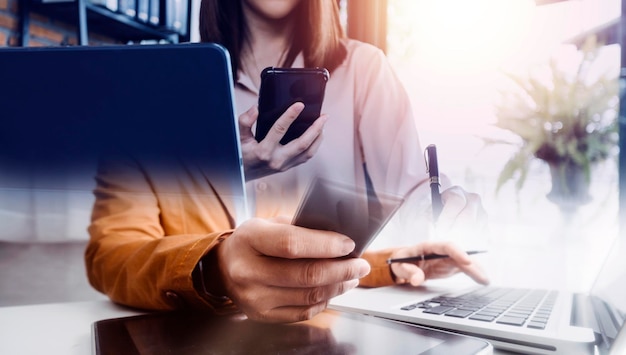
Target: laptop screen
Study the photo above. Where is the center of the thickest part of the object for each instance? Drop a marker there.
(63, 107)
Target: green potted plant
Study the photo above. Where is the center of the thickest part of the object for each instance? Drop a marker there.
(568, 119)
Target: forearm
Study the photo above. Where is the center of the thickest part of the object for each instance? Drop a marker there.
(147, 236)
(145, 272)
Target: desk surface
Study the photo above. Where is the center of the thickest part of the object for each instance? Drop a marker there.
(57, 328)
(65, 328)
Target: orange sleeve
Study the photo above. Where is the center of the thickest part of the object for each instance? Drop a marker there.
(129, 257)
(380, 274)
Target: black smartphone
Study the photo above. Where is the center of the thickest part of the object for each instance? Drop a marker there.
(333, 206)
(281, 88)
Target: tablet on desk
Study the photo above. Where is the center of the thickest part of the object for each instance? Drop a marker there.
(330, 332)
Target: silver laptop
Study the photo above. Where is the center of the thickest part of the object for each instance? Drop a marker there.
(525, 320)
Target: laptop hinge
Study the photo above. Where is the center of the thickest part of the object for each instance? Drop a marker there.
(606, 317)
(583, 314)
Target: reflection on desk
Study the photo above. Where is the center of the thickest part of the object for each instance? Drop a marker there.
(66, 328)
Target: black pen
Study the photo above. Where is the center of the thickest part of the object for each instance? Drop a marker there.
(433, 174)
(413, 259)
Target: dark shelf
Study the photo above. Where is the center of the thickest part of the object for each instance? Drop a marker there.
(101, 20)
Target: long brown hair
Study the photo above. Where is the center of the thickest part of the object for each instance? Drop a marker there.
(317, 34)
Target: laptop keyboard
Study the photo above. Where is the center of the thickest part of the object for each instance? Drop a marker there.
(509, 306)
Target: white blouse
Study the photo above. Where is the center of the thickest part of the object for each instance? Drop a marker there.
(370, 122)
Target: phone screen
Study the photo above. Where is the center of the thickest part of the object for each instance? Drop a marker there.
(333, 206)
(281, 88)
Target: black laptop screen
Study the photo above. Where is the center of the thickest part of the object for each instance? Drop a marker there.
(64, 107)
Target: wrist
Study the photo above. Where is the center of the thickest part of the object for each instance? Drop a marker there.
(208, 280)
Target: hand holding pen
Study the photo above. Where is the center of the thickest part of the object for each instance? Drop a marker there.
(425, 257)
(436, 260)
(430, 260)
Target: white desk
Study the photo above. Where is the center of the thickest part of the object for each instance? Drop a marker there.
(56, 328)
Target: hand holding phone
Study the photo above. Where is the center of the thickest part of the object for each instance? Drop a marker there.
(281, 88)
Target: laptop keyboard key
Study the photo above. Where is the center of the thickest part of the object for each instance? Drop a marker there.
(469, 308)
(460, 313)
(488, 314)
(483, 318)
(536, 325)
(438, 310)
(511, 320)
(516, 315)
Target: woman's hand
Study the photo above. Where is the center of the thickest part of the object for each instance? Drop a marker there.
(277, 272)
(269, 156)
(417, 273)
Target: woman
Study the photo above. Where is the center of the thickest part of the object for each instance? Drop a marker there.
(367, 124)
(158, 250)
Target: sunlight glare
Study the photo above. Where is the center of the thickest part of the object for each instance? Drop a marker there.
(470, 36)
